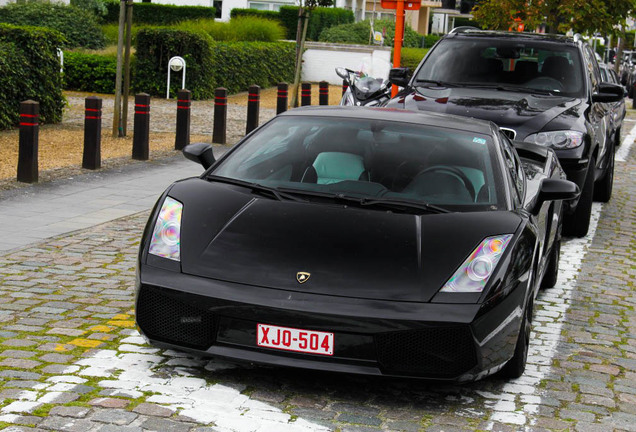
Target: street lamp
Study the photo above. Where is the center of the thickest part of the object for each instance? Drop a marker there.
(175, 64)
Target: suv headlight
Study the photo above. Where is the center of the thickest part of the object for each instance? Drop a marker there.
(472, 276)
(166, 236)
(556, 139)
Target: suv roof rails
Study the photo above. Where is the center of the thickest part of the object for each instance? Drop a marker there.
(462, 29)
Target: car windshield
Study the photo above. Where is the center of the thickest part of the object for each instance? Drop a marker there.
(522, 65)
(370, 160)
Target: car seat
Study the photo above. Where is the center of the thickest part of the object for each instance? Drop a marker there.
(334, 167)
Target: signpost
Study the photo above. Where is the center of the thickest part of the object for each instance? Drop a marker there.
(400, 6)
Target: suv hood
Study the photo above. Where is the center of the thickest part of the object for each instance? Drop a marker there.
(232, 235)
(525, 113)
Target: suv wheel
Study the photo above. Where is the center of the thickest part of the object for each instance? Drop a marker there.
(552, 273)
(603, 189)
(577, 223)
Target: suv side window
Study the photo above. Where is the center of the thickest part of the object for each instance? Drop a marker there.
(513, 165)
(592, 67)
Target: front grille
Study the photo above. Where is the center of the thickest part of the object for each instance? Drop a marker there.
(167, 318)
(509, 133)
(435, 352)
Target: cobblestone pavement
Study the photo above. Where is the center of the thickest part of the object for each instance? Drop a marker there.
(71, 359)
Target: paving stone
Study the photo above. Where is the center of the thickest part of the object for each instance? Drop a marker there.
(153, 410)
(17, 354)
(164, 425)
(56, 358)
(109, 402)
(114, 416)
(70, 411)
(7, 373)
(67, 424)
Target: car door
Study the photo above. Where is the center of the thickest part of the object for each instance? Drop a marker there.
(599, 112)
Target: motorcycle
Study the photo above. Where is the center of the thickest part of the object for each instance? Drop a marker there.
(369, 86)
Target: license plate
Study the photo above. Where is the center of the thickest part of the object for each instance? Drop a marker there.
(293, 339)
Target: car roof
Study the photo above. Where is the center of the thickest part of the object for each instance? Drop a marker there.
(544, 37)
(446, 121)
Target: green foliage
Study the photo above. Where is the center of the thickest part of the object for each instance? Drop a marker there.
(241, 28)
(430, 40)
(90, 72)
(30, 69)
(79, 27)
(155, 46)
(210, 64)
(358, 33)
(319, 19)
(96, 7)
(160, 14)
(237, 12)
(411, 57)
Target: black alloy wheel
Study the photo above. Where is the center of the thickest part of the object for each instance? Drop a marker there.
(552, 272)
(603, 189)
(578, 223)
(516, 366)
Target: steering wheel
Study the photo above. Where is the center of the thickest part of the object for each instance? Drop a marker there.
(454, 171)
(545, 83)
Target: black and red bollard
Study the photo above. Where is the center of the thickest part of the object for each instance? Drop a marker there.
(281, 100)
(305, 94)
(253, 108)
(92, 158)
(323, 93)
(220, 116)
(184, 102)
(28, 147)
(141, 136)
(345, 86)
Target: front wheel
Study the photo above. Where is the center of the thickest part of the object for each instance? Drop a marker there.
(603, 189)
(516, 366)
(552, 272)
(577, 223)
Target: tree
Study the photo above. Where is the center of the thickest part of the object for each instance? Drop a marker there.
(560, 16)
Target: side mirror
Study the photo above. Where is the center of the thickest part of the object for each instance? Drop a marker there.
(399, 76)
(608, 92)
(201, 153)
(342, 73)
(552, 190)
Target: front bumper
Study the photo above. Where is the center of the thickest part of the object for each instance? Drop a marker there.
(436, 341)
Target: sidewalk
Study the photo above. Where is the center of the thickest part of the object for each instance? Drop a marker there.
(67, 205)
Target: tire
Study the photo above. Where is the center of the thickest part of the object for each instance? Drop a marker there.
(517, 364)
(603, 188)
(552, 272)
(577, 223)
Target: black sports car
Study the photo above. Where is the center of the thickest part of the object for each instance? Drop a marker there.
(362, 240)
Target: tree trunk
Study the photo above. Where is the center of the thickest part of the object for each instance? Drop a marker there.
(299, 61)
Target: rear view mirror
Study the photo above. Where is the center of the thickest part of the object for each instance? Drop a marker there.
(342, 73)
(608, 92)
(399, 76)
(201, 153)
(552, 190)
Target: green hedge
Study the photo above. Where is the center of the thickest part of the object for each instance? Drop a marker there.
(233, 65)
(79, 27)
(358, 33)
(160, 14)
(90, 72)
(237, 12)
(30, 69)
(411, 57)
(320, 19)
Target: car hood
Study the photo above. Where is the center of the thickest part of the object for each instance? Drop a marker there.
(232, 235)
(526, 113)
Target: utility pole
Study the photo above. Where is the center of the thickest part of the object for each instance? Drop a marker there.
(117, 131)
(129, 19)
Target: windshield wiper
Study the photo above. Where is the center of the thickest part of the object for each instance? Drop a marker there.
(503, 87)
(399, 204)
(255, 187)
(436, 82)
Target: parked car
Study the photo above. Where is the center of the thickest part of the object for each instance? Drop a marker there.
(359, 240)
(617, 110)
(538, 88)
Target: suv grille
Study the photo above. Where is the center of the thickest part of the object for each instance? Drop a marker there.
(509, 133)
(166, 318)
(435, 352)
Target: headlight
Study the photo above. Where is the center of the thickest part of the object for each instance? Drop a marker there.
(556, 139)
(166, 237)
(472, 276)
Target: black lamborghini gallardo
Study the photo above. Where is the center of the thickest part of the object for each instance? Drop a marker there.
(357, 240)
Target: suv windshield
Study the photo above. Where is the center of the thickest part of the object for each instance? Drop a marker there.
(517, 64)
(326, 157)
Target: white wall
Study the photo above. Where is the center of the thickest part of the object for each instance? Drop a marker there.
(320, 60)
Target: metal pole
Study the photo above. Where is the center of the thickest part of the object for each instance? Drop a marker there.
(92, 157)
(399, 34)
(117, 132)
(129, 18)
(28, 142)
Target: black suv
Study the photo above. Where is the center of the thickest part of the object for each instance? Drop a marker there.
(537, 88)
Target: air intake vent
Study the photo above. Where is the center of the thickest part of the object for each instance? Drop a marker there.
(167, 318)
(509, 133)
(435, 352)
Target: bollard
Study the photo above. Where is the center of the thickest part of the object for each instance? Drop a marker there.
(141, 149)
(305, 94)
(253, 102)
(184, 102)
(92, 158)
(345, 86)
(220, 115)
(281, 100)
(28, 147)
(323, 93)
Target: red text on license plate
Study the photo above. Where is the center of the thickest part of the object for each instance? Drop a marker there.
(293, 339)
